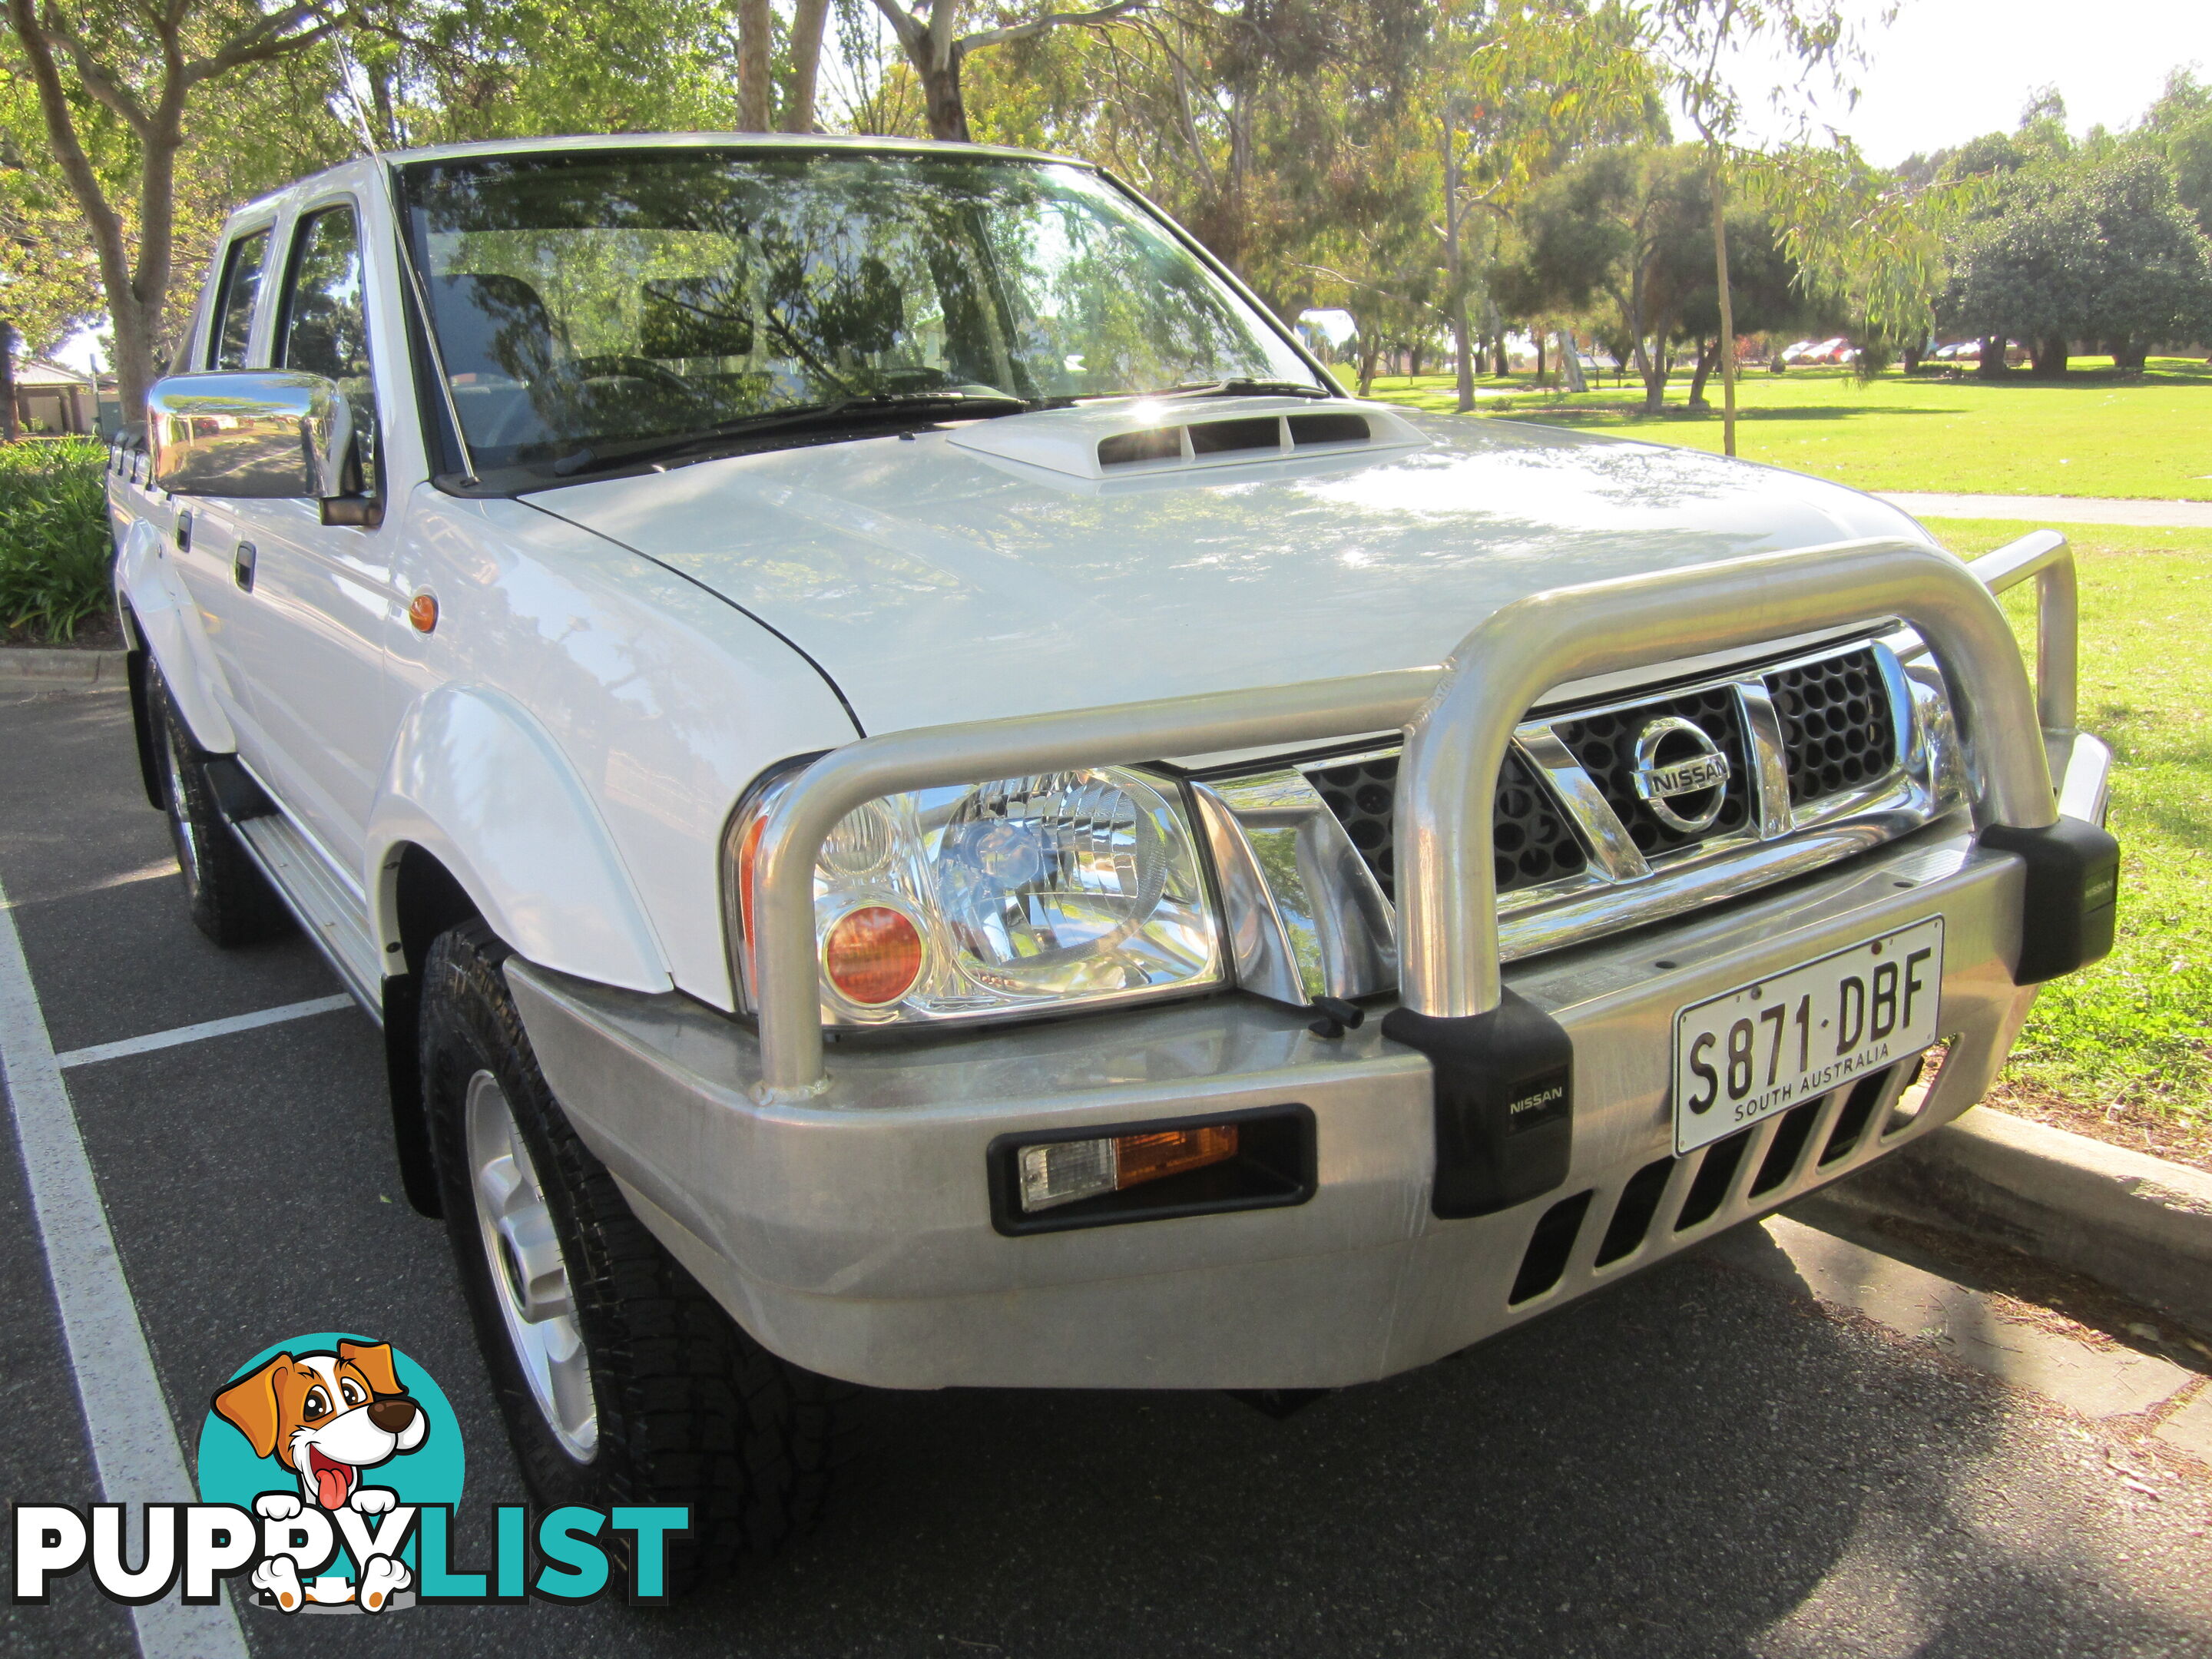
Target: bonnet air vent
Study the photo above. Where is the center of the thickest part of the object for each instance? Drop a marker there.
(1253, 435)
(1220, 437)
(1328, 429)
(1160, 443)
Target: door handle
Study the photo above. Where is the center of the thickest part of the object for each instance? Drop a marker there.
(241, 566)
(184, 531)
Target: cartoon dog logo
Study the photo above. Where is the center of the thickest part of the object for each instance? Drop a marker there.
(328, 1417)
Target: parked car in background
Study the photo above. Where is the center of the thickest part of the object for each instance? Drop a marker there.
(922, 801)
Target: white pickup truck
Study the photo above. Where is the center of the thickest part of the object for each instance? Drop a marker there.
(922, 801)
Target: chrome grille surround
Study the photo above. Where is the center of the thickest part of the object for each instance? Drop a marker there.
(1566, 802)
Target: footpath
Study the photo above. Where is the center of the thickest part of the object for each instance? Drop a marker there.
(2057, 509)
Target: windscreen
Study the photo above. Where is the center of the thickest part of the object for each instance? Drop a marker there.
(597, 301)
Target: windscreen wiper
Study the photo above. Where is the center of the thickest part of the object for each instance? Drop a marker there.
(796, 417)
(1238, 387)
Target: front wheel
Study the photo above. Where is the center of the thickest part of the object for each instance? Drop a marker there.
(621, 1380)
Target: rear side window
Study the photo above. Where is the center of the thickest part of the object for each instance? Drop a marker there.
(234, 307)
(323, 326)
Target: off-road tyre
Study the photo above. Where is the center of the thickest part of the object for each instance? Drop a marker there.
(230, 900)
(690, 1410)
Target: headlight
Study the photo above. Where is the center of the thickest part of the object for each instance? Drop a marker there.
(1019, 894)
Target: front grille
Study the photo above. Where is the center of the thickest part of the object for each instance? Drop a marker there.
(1835, 718)
(1533, 842)
(1606, 745)
(1837, 728)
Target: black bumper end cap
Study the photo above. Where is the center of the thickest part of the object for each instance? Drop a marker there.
(2070, 899)
(1505, 1103)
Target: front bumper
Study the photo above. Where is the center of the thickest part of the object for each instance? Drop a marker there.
(843, 1213)
(852, 1233)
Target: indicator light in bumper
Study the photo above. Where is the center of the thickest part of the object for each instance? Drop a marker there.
(1062, 1171)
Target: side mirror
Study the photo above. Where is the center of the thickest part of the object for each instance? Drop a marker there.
(250, 434)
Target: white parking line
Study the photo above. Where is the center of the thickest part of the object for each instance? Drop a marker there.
(206, 1028)
(134, 1440)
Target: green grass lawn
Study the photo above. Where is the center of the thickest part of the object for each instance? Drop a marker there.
(2125, 1049)
(2093, 434)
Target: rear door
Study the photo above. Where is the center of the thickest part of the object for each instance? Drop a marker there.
(319, 598)
(205, 530)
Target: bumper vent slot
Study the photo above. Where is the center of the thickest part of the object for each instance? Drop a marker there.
(1851, 1122)
(1836, 727)
(1633, 1213)
(1710, 1186)
(1534, 842)
(1787, 1147)
(1549, 1248)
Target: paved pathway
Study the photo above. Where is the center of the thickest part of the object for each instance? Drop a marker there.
(2057, 509)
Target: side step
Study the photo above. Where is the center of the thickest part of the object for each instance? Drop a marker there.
(326, 909)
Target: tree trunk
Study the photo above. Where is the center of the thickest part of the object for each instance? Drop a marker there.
(1414, 360)
(755, 57)
(2047, 357)
(1499, 368)
(1992, 365)
(1368, 354)
(1728, 310)
(1570, 363)
(1651, 366)
(1909, 358)
(1464, 352)
(1708, 352)
(806, 22)
(940, 92)
(10, 429)
(1540, 358)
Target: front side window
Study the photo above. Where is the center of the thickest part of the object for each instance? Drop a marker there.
(234, 307)
(611, 300)
(323, 325)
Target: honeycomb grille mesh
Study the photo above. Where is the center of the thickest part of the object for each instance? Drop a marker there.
(1534, 843)
(1606, 745)
(1836, 727)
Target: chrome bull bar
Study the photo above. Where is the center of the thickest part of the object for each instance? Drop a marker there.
(1459, 718)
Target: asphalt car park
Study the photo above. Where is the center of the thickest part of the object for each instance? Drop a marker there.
(1702, 1461)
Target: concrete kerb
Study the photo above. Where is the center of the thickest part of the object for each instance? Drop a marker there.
(53, 668)
(2139, 1224)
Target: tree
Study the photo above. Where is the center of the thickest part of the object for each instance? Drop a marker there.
(807, 20)
(1522, 84)
(1769, 290)
(2179, 127)
(935, 48)
(143, 61)
(2096, 253)
(1689, 38)
(1873, 247)
(1626, 225)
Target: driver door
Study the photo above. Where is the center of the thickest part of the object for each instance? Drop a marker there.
(319, 598)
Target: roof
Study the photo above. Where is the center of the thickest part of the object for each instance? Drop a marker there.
(782, 143)
(38, 372)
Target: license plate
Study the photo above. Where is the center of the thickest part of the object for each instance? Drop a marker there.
(1782, 1041)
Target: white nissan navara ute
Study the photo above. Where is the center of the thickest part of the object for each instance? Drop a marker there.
(922, 801)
